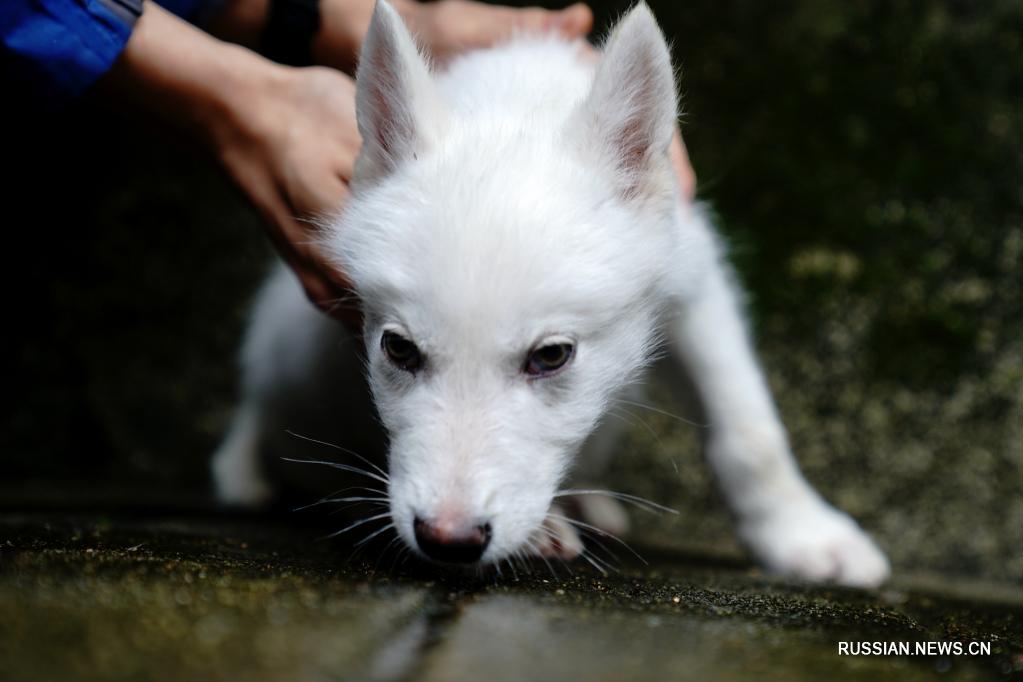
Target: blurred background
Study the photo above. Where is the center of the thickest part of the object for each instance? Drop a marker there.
(864, 161)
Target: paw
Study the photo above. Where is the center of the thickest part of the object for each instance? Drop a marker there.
(237, 480)
(601, 512)
(816, 542)
(556, 538)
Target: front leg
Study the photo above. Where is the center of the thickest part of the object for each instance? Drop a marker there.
(783, 521)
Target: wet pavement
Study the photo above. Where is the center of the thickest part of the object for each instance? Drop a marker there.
(159, 596)
(863, 160)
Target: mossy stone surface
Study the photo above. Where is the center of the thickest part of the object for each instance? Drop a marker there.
(107, 597)
(864, 161)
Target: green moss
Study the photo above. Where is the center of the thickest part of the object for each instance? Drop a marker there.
(200, 598)
(864, 159)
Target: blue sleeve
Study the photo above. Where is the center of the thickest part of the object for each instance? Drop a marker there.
(53, 50)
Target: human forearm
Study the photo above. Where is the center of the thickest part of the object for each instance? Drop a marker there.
(343, 23)
(176, 72)
(287, 137)
(443, 28)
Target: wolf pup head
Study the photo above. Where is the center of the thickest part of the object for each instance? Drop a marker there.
(513, 226)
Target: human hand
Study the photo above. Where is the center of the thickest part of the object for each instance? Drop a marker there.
(683, 169)
(444, 27)
(289, 140)
(448, 27)
(287, 137)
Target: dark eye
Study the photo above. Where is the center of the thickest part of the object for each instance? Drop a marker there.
(402, 352)
(549, 359)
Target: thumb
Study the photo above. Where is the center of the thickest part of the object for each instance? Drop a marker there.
(575, 21)
(571, 22)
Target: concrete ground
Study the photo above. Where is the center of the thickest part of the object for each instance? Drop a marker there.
(97, 596)
(864, 160)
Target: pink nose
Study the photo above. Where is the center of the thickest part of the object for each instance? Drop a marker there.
(452, 544)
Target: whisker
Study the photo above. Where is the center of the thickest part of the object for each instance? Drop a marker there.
(536, 550)
(345, 508)
(528, 561)
(593, 538)
(401, 555)
(365, 489)
(601, 531)
(617, 415)
(342, 449)
(515, 573)
(517, 557)
(389, 545)
(384, 551)
(644, 423)
(650, 429)
(338, 465)
(586, 555)
(356, 525)
(550, 533)
(362, 488)
(641, 502)
(360, 545)
(341, 303)
(564, 564)
(608, 566)
(330, 500)
(354, 499)
(663, 412)
(372, 535)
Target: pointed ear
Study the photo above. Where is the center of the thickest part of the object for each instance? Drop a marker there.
(397, 107)
(630, 112)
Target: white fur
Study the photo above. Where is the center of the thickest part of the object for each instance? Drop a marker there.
(522, 195)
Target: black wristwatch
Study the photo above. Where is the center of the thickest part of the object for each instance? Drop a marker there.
(289, 32)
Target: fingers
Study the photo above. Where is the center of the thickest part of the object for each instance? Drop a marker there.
(683, 169)
(324, 284)
(588, 53)
(336, 301)
(292, 155)
(574, 21)
(571, 22)
(457, 25)
(313, 196)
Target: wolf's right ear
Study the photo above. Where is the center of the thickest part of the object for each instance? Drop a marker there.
(630, 113)
(396, 105)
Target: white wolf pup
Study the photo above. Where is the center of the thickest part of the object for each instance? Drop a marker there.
(520, 246)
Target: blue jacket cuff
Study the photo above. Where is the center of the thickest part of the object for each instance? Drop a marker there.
(56, 49)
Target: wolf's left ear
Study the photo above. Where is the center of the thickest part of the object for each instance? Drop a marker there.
(397, 107)
(631, 109)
